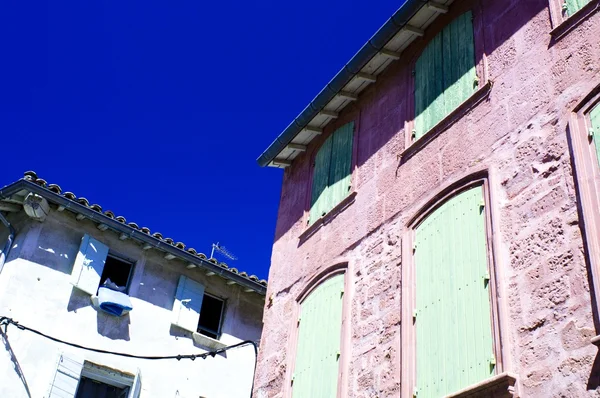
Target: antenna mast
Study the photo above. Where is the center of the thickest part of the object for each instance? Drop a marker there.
(223, 251)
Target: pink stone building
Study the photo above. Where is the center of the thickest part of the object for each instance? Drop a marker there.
(439, 224)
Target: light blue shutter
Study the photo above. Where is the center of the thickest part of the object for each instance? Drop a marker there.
(136, 388)
(454, 346)
(89, 265)
(319, 199)
(187, 304)
(66, 379)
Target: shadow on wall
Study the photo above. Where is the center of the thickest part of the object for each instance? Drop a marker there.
(113, 327)
(79, 299)
(178, 332)
(387, 105)
(15, 362)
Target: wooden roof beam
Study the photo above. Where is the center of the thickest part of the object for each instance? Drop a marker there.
(390, 54)
(281, 162)
(413, 30)
(347, 95)
(366, 77)
(314, 130)
(296, 147)
(331, 114)
(437, 7)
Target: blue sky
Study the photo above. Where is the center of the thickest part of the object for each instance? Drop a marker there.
(158, 110)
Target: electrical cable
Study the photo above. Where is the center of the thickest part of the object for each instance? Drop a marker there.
(6, 321)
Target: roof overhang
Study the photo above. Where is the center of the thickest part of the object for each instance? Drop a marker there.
(386, 46)
(10, 194)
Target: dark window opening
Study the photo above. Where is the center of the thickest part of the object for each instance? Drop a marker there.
(211, 314)
(118, 271)
(89, 388)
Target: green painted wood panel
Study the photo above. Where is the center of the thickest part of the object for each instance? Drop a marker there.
(572, 6)
(319, 335)
(332, 172)
(595, 121)
(453, 320)
(341, 165)
(320, 180)
(444, 73)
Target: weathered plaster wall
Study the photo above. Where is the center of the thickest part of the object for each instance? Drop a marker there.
(519, 135)
(35, 290)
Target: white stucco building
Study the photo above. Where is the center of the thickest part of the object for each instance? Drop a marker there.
(59, 253)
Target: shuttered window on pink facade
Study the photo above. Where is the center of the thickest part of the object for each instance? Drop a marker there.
(444, 74)
(332, 172)
(570, 7)
(319, 338)
(454, 346)
(595, 133)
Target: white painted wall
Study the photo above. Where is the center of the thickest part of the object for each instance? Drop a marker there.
(35, 290)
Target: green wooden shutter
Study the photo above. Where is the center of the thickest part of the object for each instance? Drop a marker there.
(428, 87)
(453, 319)
(444, 73)
(572, 6)
(459, 61)
(319, 331)
(595, 122)
(320, 181)
(341, 165)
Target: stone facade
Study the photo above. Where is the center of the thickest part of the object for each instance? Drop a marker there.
(36, 290)
(518, 136)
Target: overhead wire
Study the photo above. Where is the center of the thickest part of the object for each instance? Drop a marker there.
(6, 321)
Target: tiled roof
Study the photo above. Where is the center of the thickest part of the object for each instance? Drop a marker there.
(56, 189)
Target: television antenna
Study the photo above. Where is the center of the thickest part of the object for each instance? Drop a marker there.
(223, 251)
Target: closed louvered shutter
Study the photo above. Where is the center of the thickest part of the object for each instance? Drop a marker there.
(320, 181)
(452, 316)
(319, 330)
(572, 6)
(595, 121)
(66, 378)
(341, 163)
(332, 172)
(444, 74)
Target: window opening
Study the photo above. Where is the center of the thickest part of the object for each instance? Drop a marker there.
(90, 388)
(118, 271)
(211, 314)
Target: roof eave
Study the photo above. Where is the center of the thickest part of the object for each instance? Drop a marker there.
(383, 35)
(21, 184)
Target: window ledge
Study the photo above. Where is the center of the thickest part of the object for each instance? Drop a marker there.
(475, 98)
(207, 342)
(503, 383)
(330, 215)
(574, 20)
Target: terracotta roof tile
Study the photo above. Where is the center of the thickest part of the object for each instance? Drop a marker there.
(145, 230)
(109, 214)
(121, 219)
(96, 207)
(69, 195)
(83, 201)
(54, 188)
